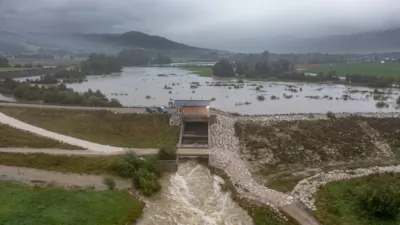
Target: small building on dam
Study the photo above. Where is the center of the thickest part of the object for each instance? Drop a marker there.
(195, 127)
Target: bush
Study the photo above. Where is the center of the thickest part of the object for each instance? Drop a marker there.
(146, 181)
(381, 202)
(260, 98)
(109, 182)
(143, 171)
(398, 101)
(330, 115)
(166, 154)
(381, 104)
(273, 97)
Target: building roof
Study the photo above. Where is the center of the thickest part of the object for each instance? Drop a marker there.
(179, 103)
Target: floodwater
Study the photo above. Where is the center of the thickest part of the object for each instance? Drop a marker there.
(193, 196)
(135, 83)
(141, 86)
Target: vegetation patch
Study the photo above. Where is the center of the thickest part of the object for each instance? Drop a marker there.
(24, 205)
(104, 127)
(388, 128)
(284, 152)
(14, 138)
(368, 200)
(202, 71)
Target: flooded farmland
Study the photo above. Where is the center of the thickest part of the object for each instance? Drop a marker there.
(156, 86)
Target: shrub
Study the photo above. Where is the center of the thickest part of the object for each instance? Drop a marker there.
(383, 202)
(381, 104)
(398, 101)
(330, 115)
(273, 97)
(146, 181)
(109, 182)
(143, 171)
(166, 154)
(260, 98)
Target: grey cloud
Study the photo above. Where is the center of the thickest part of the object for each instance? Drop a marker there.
(223, 24)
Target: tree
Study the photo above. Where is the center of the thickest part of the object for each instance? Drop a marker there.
(4, 61)
(134, 57)
(161, 59)
(240, 68)
(98, 64)
(223, 68)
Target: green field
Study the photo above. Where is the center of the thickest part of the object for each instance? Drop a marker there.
(22, 205)
(97, 165)
(368, 69)
(103, 127)
(339, 202)
(14, 138)
(6, 69)
(200, 70)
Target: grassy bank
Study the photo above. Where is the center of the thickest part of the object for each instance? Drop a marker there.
(363, 68)
(62, 163)
(23, 205)
(339, 202)
(200, 70)
(14, 138)
(103, 127)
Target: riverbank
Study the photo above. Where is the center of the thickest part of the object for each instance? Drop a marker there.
(261, 213)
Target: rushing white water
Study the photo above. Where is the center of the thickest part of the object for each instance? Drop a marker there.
(193, 196)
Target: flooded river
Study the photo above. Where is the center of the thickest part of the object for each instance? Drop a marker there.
(193, 196)
(141, 86)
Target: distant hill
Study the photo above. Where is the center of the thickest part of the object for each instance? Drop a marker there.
(136, 39)
(111, 43)
(376, 41)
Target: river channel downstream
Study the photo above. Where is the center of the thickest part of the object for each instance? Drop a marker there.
(142, 86)
(193, 196)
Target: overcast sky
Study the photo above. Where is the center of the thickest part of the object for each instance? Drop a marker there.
(205, 23)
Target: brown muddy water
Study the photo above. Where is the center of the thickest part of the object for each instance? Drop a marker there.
(193, 195)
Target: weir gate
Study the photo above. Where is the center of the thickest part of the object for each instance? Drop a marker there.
(195, 121)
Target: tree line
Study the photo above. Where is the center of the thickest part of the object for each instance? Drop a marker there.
(4, 62)
(57, 94)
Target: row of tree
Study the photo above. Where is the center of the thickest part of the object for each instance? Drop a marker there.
(252, 67)
(58, 94)
(140, 57)
(98, 64)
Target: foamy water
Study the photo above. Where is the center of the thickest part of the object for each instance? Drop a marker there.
(193, 196)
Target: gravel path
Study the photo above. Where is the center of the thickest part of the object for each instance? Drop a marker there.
(63, 138)
(53, 151)
(35, 176)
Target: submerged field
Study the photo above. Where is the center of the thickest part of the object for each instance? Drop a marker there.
(22, 205)
(103, 127)
(282, 153)
(14, 138)
(362, 68)
(200, 70)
